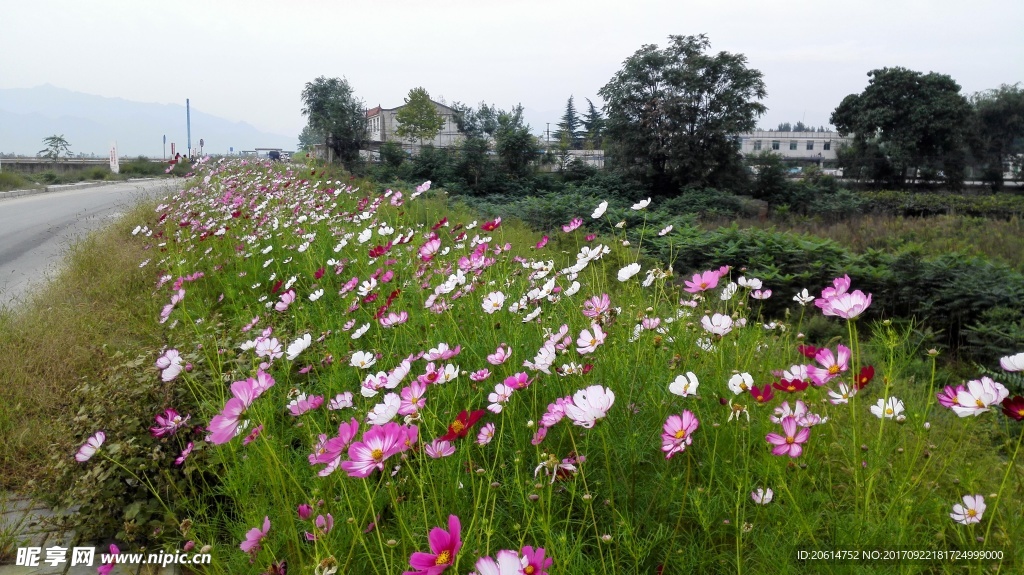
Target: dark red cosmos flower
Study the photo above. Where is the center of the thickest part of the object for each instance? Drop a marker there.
(790, 385)
(438, 225)
(867, 373)
(763, 394)
(460, 427)
(491, 225)
(277, 286)
(809, 351)
(1014, 407)
(319, 273)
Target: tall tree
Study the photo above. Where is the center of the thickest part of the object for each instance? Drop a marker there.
(419, 119)
(309, 137)
(917, 121)
(480, 122)
(55, 147)
(514, 143)
(569, 128)
(333, 111)
(593, 126)
(673, 113)
(998, 130)
(784, 127)
(801, 127)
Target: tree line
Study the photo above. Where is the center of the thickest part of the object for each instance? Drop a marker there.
(671, 119)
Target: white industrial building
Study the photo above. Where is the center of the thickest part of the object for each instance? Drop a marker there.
(806, 146)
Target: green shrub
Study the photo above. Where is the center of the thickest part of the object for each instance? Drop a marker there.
(13, 181)
(143, 167)
(97, 173)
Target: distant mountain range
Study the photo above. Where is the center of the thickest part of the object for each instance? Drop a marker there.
(92, 123)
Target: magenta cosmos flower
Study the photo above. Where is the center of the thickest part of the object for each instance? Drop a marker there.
(831, 365)
(534, 562)
(251, 545)
(106, 568)
(590, 404)
(678, 433)
(168, 423)
(224, 426)
(444, 547)
(703, 281)
(378, 444)
(789, 444)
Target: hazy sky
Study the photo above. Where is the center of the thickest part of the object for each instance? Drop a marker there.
(249, 60)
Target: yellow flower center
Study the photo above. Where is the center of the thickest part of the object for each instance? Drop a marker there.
(833, 370)
(458, 426)
(703, 285)
(377, 454)
(888, 411)
(979, 403)
(791, 387)
(443, 558)
(972, 513)
(529, 570)
(790, 440)
(1020, 411)
(681, 434)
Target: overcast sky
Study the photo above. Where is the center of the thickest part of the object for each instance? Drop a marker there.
(249, 60)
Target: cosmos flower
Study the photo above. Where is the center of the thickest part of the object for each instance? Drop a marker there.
(90, 447)
(970, 512)
(590, 404)
(684, 386)
(678, 433)
(791, 443)
(717, 324)
(254, 537)
(628, 271)
(599, 211)
(444, 547)
(887, 408)
(762, 496)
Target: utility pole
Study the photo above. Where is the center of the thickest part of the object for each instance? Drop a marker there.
(188, 125)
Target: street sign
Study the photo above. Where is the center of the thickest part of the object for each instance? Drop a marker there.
(115, 166)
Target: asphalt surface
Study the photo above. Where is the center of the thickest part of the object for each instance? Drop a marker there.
(36, 231)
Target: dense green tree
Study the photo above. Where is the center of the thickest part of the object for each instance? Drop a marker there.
(673, 114)
(593, 126)
(784, 127)
(515, 145)
(333, 111)
(569, 129)
(998, 131)
(418, 119)
(392, 154)
(56, 146)
(309, 137)
(917, 121)
(801, 127)
(479, 122)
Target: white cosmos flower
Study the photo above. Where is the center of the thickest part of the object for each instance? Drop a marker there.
(684, 385)
(803, 298)
(365, 235)
(600, 210)
(573, 289)
(494, 301)
(298, 346)
(629, 271)
(717, 324)
(316, 295)
(741, 382)
(887, 409)
(363, 359)
(359, 332)
(1013, 362)
(386, 411)
(642, 204)
(665, 230)
(531, 316)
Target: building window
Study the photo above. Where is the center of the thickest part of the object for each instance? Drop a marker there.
(828, 146)
(810, 144)
(757, 145)
(792, 144)
(775, 144)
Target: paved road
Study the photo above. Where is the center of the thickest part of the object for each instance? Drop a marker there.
(35, 231)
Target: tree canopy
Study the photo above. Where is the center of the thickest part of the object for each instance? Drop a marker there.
(593, 126)
(419, 119)
(334, 112)
(672, 113)
(569, 129)
(908, 121)
(56, 146)
(998, 130)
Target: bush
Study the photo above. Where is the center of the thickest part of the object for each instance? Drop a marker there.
(13, 181)
(97, 173)
(143, 167)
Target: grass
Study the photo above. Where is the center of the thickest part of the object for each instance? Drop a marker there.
(14, 181)
(996, 239)
(227, 251)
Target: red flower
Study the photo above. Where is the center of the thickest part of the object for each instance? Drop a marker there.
(319, 273)
(867, 373)
(809, 351)
(1014, 407)
(790, 385)
(491, 225)
(763, 394)
(438, 225)
(462, 424)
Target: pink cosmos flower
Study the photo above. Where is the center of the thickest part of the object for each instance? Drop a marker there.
(480, 374)
(302, 404)
(486, 434)
(717, 324)
(106, 568)
(520, 380)
(168, 423)
(444, 547)
(500, 355)
(534, 562)
(543, 242)
(678, 432)
(393, 319)
(971, 511)
(848, 305)
(90, 447)
(831, 365)
(329, 450)
(287, 298)
(305, 511)
(341, 401)
(762, 496)
(979, 396)
(184, 454)
(498, 398)
(323, 527)
(170, 365)
(597, 305)
(253, 435)
(590, 404)
(224, 426)
(790, 444)
(539, 436)
(555, 412)
(429, 249)
(268, 347)
(251, 545)
(439, 448)
(377, 445)
(703, 281)
(948, 396)
(572, 225)
(442, 352)
(412, 398)
(588, 342)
